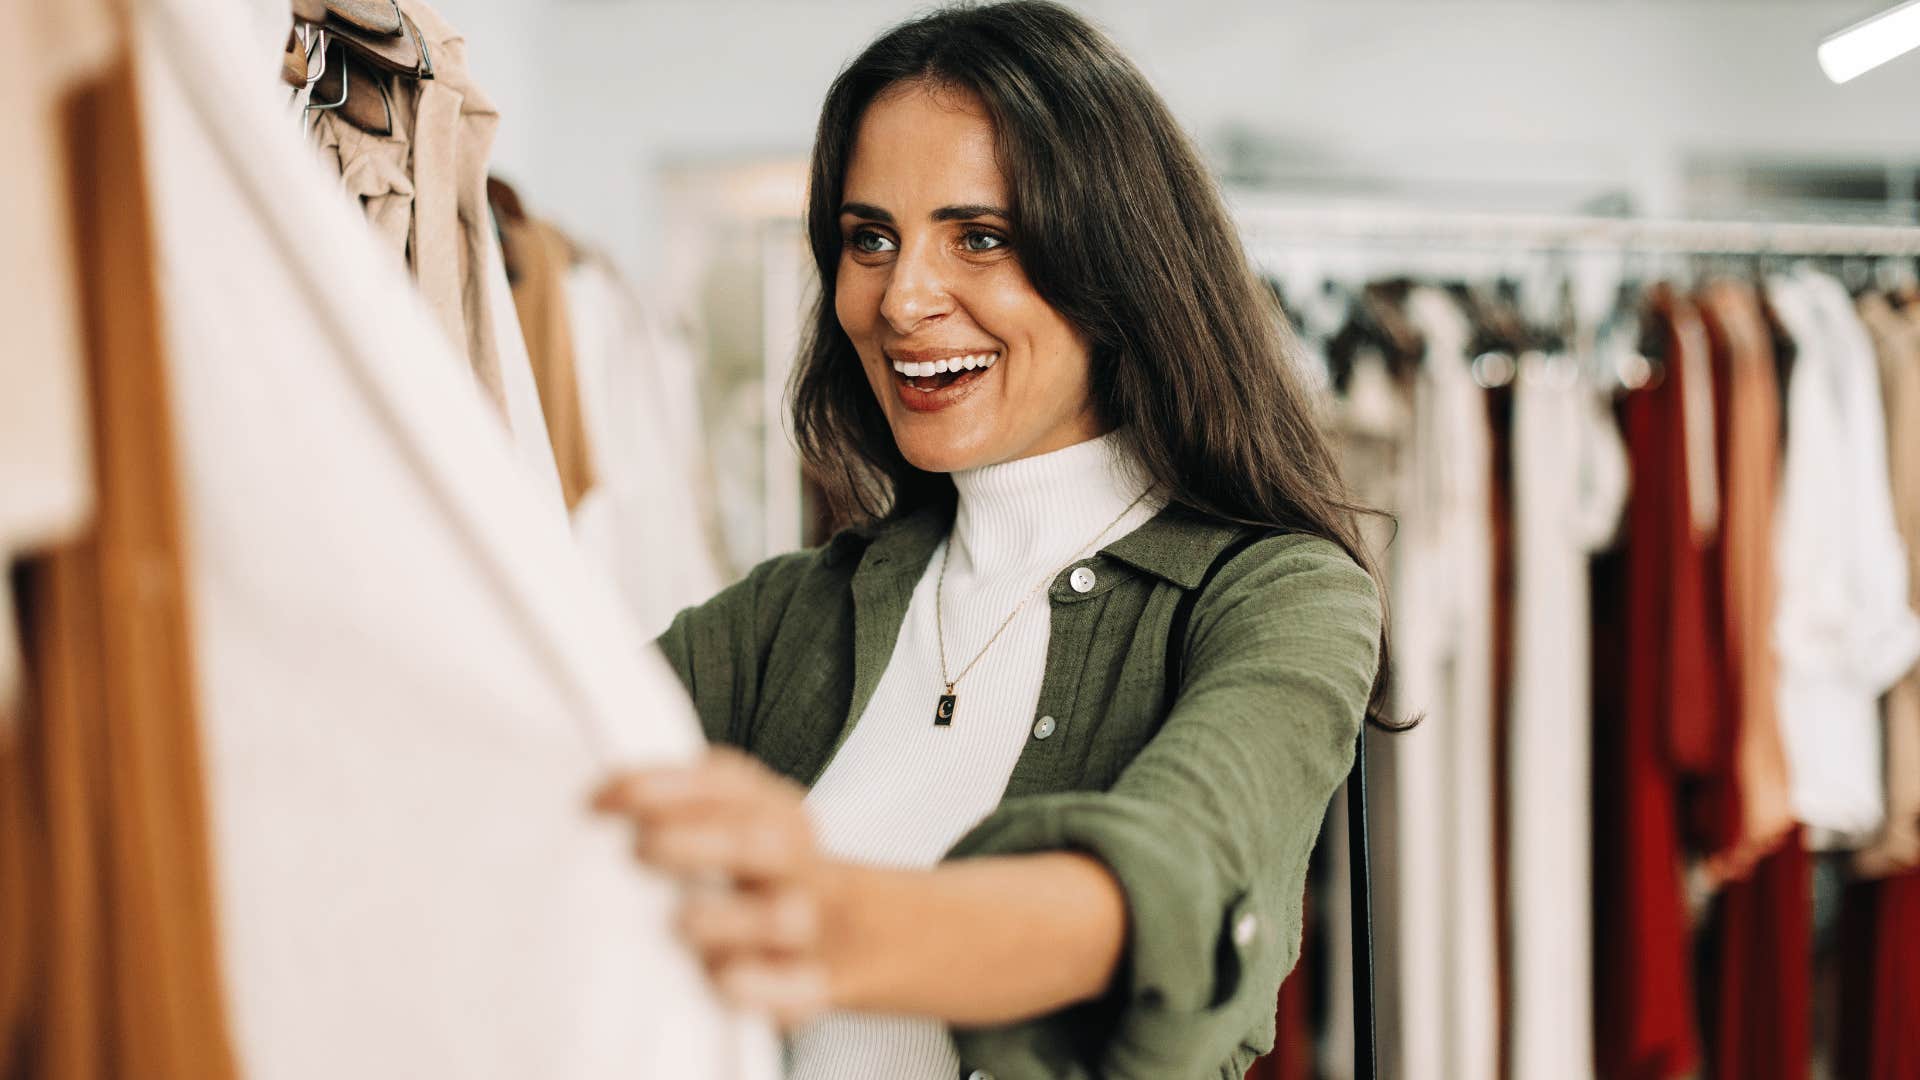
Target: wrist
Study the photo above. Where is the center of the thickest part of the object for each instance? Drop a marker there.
(847, 935)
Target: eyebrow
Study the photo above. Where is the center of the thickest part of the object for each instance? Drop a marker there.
(969, 212)
(945, 213)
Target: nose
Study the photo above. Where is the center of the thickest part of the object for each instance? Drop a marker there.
(916, 291)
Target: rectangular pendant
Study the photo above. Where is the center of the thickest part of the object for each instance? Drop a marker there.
(943, 715)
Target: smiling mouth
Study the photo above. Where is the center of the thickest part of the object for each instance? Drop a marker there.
(927, 376)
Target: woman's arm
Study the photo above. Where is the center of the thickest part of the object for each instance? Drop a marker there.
(981, 942)
(974, 943)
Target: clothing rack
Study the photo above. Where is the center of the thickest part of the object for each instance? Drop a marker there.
(1275, 227)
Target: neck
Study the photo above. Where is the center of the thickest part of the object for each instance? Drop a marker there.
(1042, 509)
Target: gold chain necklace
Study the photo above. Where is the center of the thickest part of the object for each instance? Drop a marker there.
(949, 701)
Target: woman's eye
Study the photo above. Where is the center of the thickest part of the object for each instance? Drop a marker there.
(983, 241)
(869, 242)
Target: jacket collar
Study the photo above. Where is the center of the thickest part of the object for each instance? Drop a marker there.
(1176, 545)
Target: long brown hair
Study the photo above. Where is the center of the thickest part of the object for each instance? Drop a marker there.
(1119, 226)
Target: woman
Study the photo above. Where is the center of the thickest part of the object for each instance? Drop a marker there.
(1008, 806)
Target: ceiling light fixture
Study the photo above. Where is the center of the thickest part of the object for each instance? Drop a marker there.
(1871, 42)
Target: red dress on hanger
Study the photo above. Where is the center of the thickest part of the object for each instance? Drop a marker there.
(1665, 726)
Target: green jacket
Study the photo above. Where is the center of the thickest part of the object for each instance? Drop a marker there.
(1206, 814)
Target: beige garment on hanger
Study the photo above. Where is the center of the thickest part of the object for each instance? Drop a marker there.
(109, 967)
(1443, 642)
(424, 188)
(1752, 483)
(376, 169)
(1896, 338)
(1569, 489)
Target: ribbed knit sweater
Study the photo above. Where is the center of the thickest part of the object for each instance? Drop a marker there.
(901, 790)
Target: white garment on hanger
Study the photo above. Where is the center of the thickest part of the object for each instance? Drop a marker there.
(640, 406)
(1569, 488)
(1843, 627)
(1443, 654)
(409, 681)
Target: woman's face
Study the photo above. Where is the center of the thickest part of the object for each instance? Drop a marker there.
(970, 365)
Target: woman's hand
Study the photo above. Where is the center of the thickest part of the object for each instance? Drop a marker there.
(783, 929)
(757, 909)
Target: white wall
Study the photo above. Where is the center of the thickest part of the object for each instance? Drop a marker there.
(1462, 93)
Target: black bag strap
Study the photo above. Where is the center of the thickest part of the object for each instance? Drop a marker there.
(1360, 879)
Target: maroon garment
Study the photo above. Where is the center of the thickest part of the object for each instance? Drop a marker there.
(1879, 1035)
(1896, 1028)
(1292, 1055)
(1763, 1001)
(1689, 685)
(1666, 724)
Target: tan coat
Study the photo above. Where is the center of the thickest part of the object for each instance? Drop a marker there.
(424, 188)
(1752, 478)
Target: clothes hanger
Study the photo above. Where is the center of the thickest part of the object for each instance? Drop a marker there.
(1385, 302)
(1349, 335)
(370, 112)
(341, 67)
(309, 42)
(1375, 321)
(1500, 335)
(1619, 366)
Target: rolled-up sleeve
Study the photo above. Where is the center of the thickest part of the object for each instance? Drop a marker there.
(1209, 829)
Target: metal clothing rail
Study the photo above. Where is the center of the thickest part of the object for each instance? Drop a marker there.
(1270, 227)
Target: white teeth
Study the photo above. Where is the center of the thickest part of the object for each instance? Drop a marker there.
(924, 369)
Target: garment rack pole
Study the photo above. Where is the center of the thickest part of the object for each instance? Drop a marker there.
(1270, 228)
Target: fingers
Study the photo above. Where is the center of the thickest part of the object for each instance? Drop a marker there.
(728, 920)
(761, 949)
(792, 992)
(724, 815)
(744, 846)
(740, 834)
(722, 777)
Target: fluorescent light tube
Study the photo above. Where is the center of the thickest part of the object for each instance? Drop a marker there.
(1866, 45)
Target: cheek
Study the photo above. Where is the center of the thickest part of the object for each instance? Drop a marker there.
(856, 303)
(1063, 362)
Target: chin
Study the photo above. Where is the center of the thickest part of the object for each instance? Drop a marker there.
(929, 451)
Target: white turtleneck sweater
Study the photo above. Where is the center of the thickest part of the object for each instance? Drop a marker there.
(901, 791)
